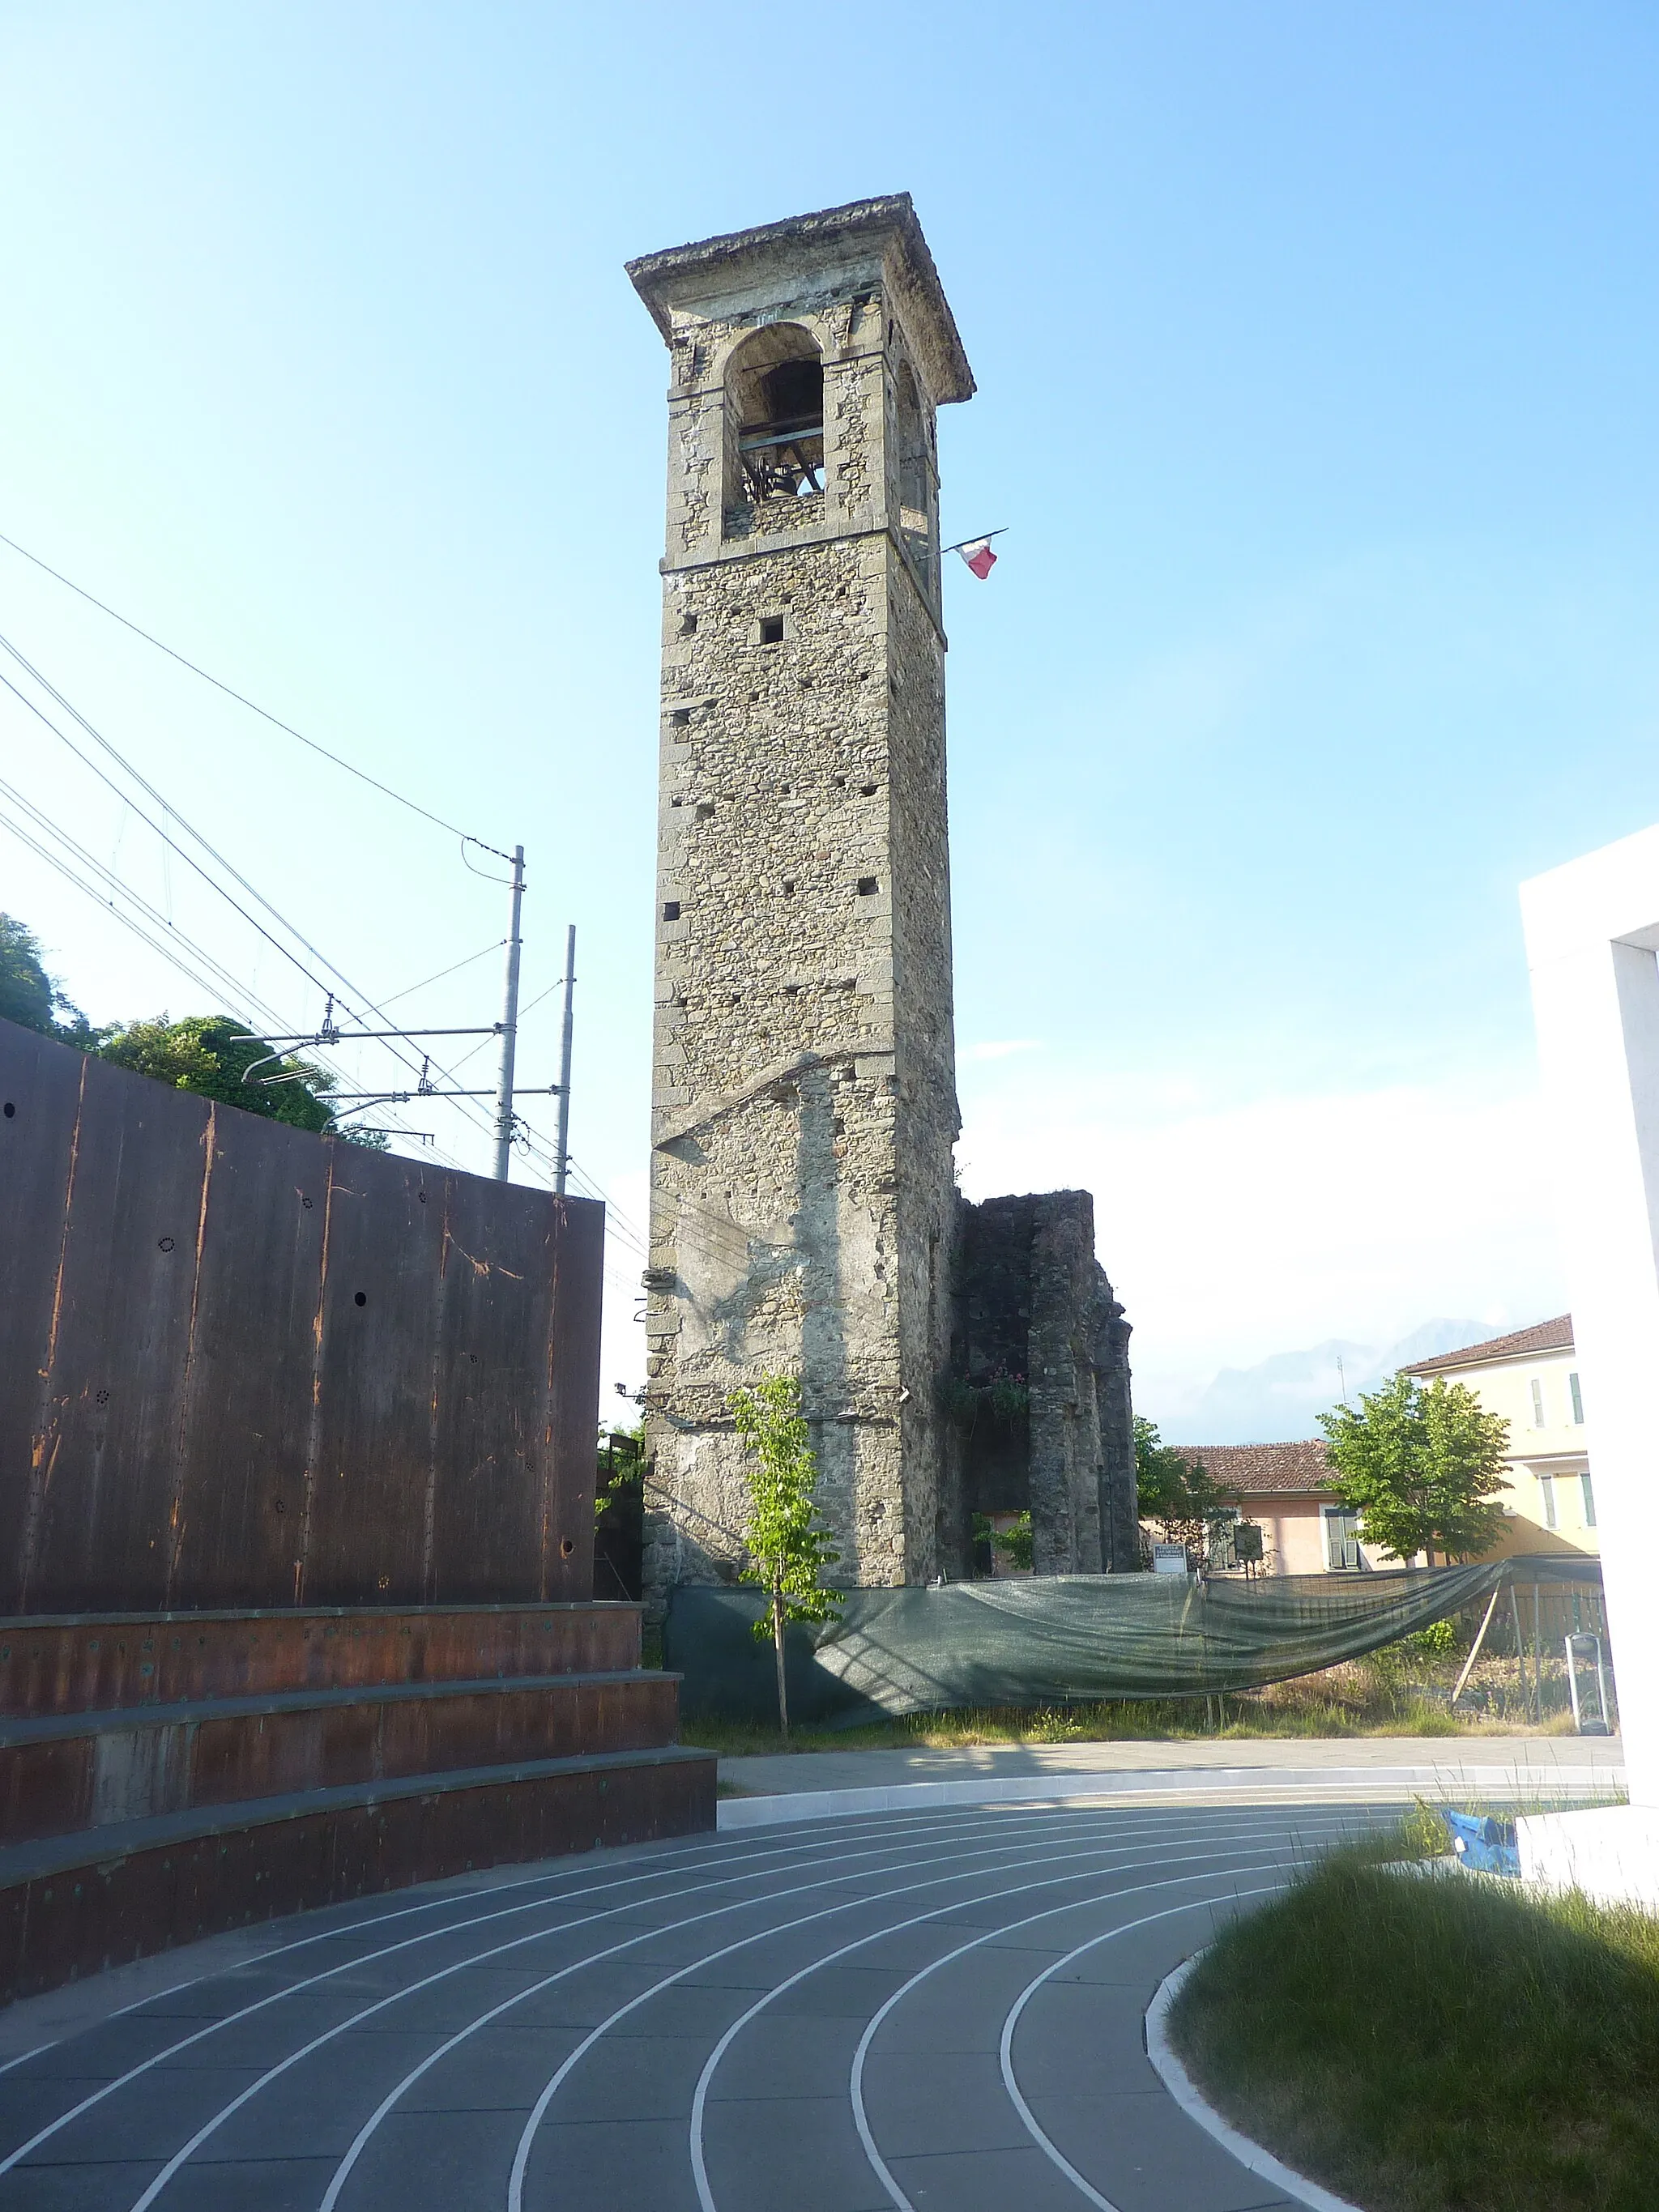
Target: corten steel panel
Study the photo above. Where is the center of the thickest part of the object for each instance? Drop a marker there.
(39, 1114)
(45, 1789)
(100, 1502)
(490, 1447)
(573, 1357)
(106, 1911)
(369, 1444)
(93, 1664)
(240, 1493)
(211, 1415)
(134, 1772)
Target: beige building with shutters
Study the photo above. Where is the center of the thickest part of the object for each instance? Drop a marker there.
(1530, 1378)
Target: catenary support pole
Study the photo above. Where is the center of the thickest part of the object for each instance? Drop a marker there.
(509, 1026)
(562, 1153)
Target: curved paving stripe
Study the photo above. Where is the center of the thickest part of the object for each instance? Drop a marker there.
(935, 2010)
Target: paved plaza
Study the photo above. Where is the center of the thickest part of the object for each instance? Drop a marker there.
(937, 2007)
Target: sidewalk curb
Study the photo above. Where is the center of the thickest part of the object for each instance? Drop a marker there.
(1180, 2084)
(1312, 1785)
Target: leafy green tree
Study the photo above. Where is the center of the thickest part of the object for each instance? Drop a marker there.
(1177, 1495)
(202, 1054)
(1421, 1468)
(1017, 1542)
(788, 1545)
(621, 1466)
(28, 996)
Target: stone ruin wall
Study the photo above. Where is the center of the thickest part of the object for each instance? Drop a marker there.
(1033, 1305)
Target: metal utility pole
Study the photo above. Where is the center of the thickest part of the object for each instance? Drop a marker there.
(562, 1154)
(510, 1027)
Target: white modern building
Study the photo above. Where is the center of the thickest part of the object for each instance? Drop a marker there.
(1592, 934)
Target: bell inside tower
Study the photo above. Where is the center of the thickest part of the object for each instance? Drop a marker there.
(779, 414)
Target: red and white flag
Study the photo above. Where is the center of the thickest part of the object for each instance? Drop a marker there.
(976, 552)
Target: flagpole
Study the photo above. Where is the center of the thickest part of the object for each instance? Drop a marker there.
(979, 538)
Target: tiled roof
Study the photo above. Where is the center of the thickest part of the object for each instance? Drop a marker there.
(1543, 1336)
(1254, 1470)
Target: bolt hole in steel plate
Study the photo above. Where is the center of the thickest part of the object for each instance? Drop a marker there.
(164, 1244)
(566, 1546)
(10, 1110)
(361, 1298)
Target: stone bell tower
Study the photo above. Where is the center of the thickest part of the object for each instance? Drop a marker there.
(804, 1110)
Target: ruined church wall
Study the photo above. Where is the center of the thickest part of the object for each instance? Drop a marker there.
(1033, 1306)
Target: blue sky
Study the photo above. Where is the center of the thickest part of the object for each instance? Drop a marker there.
(1315, 349)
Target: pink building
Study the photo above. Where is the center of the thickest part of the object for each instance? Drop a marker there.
(1286, 1490)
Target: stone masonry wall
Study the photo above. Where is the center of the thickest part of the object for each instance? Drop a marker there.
(805, 1102)
(1033, 1306)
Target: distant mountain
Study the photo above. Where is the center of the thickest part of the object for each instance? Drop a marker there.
(1276, 1401)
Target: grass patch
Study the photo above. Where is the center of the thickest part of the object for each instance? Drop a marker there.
(1442, 2045)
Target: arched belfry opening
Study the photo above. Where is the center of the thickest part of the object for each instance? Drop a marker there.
(774, 417)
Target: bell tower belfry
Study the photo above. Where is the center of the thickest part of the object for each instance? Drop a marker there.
(804, 1109)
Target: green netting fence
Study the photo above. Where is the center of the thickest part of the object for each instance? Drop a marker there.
(1066, 1640)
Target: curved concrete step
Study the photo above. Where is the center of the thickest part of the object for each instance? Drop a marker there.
(67, 1771)
(94, 1662)
(73, 1904)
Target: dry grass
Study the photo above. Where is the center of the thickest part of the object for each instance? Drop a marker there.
(1401, 1691)
(1442, 2045)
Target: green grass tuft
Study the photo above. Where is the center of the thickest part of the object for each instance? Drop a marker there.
(1437, 2046)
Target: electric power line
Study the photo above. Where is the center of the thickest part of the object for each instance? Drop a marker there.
(209, 976)
(442, 972)
(170, 844)
(252, 706)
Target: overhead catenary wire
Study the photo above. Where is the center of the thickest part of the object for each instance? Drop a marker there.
(148, 925)
(171, 843)
(252, 706)
(168, 952)
(494, 946)
(206, 845)
(464, 1108)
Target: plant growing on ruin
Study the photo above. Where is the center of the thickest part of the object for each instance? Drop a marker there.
(1016, 1542)
(787, 1544)
(1004, 1397)
(1421, 1468)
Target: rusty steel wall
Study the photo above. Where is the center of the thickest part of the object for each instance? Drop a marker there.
(242, 1365)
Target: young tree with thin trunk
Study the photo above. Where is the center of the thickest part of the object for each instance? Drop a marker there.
(787, 1543)
(1421, 1469)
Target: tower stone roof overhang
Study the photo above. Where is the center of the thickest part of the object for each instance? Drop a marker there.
(686, 278)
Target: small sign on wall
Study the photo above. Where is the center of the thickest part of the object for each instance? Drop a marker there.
(1169, 1558)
